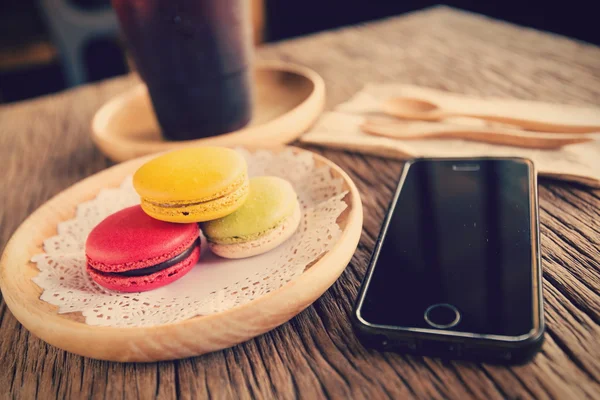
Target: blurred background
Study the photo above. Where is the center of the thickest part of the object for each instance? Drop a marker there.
(49, 45)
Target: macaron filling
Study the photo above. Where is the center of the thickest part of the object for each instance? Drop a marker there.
(161, 266)
(204, 208)
(247, 238)
(238, 185)
(154, 268)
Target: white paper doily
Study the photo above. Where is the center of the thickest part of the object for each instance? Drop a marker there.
(215, 284)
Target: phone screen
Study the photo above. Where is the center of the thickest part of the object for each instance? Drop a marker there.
(457, 254)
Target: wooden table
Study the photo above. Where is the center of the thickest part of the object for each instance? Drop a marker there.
(45, 147)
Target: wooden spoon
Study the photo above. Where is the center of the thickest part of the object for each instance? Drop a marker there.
(507, 137)
(417, 109)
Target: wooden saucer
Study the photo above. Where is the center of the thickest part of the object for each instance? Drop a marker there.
(288, 99)
(186, 338)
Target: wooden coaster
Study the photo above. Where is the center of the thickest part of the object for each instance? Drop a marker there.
(186, 338)
(287, 100)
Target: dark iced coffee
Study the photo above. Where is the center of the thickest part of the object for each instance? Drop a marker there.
(194, 56)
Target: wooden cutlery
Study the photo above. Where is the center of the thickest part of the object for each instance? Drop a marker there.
(421, 114)
(418, 130)
(526, 115)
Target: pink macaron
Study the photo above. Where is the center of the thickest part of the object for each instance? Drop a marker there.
(130, 251)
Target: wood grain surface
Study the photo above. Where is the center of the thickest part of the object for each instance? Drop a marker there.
(45, 147)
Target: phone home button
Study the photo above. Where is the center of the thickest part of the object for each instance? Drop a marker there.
(442, 316)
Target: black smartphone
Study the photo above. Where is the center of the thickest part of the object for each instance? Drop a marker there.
(456, 271)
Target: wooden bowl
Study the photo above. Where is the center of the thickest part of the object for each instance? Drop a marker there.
(186, 338)
(288, 99)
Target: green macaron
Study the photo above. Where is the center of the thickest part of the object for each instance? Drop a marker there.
(270, 216)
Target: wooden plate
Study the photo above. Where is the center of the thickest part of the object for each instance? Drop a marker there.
(187, 338)
(288, 99)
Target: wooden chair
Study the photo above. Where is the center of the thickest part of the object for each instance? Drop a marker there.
(73, 27)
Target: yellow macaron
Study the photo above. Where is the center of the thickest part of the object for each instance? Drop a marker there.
(193, 185)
